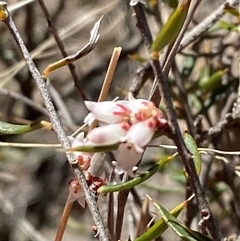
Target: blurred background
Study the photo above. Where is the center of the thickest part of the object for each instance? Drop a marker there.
(34, 180)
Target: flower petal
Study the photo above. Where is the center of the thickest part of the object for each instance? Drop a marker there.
(140, 134)
(78, 140)
(127, 159)
(76, 192)
(106, 111)
(108, 134)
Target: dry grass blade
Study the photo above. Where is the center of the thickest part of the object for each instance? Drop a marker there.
(94, 36)
(64, 33)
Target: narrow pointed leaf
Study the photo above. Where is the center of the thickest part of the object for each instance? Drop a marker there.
(203, 76)
(171, 29)
(7, 128)
(137, 180)
(213, 81)
(192, 147)
(181, 230)
(96, 148)
(160, 226)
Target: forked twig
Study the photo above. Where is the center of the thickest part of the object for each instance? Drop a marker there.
(64, 33)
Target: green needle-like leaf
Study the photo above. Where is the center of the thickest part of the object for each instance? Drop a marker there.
(137, 180)
(181, 230)
(7, 128)
(192, 147)
(213, 81)
(103, 148)
(171, 29)
(160, 226)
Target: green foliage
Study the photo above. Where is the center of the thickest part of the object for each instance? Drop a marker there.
(160, 226)
(192, 147)
(171, 29)
(181, 230)
(11, 129)
(137, 180)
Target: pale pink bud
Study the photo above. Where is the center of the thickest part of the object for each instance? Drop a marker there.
(76, 192)
(127, 159)
(84, 161)
(140, 134)
(108, 134)
(106, 111)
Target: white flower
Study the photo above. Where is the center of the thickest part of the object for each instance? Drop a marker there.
(135, 105)
(131, 122)
(108, 134)
(76, 192)
(142, 110)
(140, 134)
(77, 141)
(106, 111)
(127, 160)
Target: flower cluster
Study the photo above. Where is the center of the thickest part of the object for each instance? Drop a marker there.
(84, 160)
(131, 122)
(76, 192)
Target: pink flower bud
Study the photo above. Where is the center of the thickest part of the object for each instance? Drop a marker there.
(84, 161)
(76, 192)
